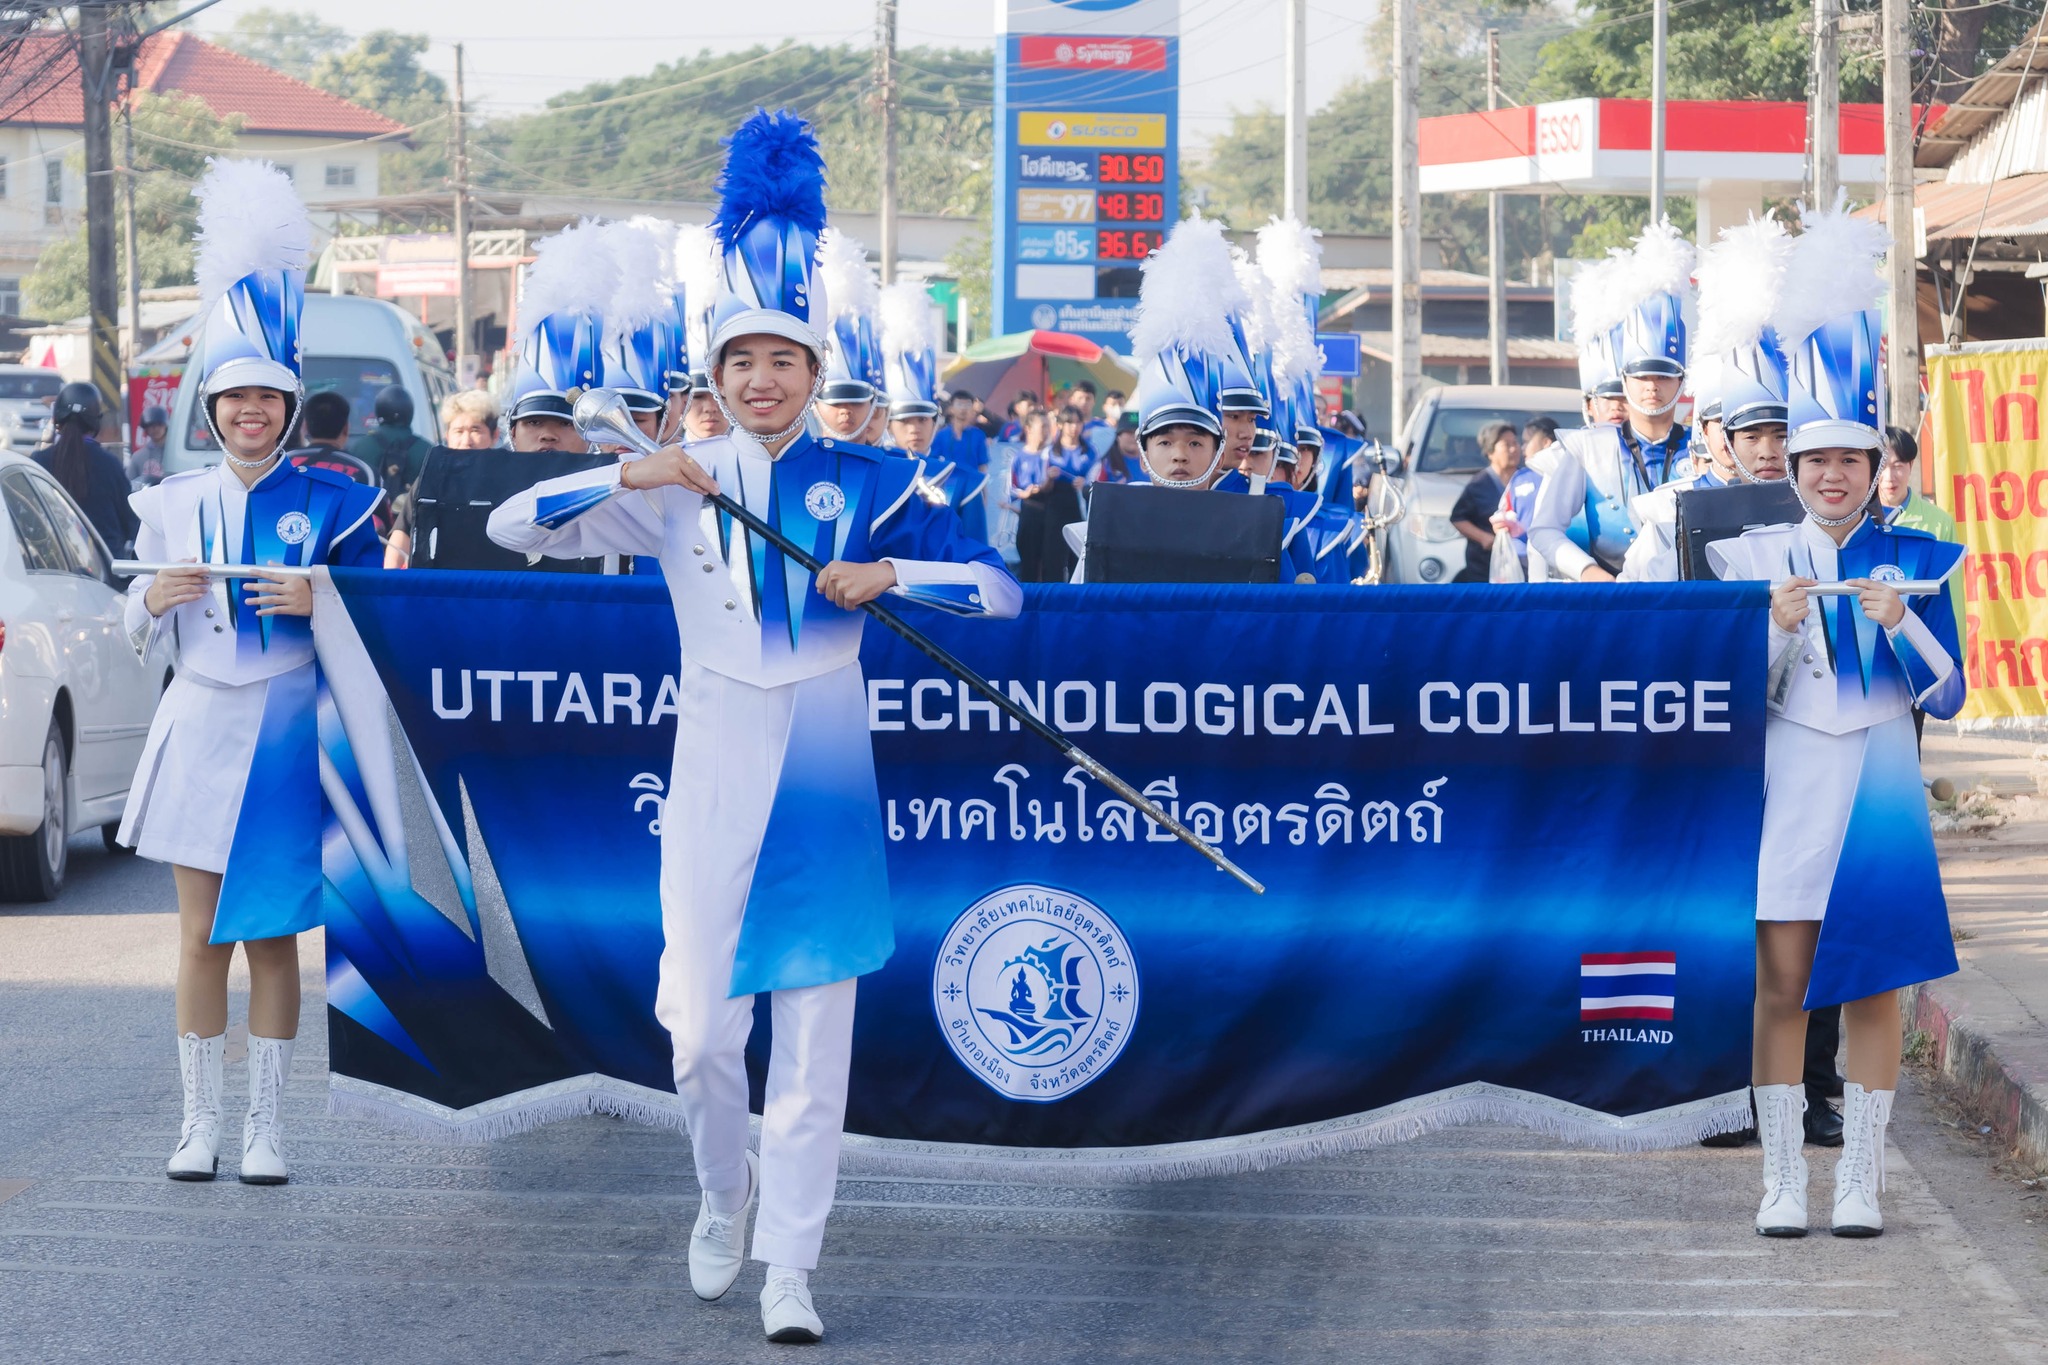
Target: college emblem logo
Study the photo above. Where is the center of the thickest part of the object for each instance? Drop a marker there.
(825, 501)
(1036, 991)
(294, 527)
(1888, 573)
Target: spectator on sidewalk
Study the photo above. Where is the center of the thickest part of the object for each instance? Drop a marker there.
(469, 421)
(1473, 513)
(390, 447)
(323, 435)
(89, 472)
(146, 461)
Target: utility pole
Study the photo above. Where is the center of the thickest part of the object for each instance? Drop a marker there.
(1496, 239)
(1660, 24)
(1902, 264)
(95, 75)
(1826, 174)
(1407, 319)
(1295, 163)
(134, 275)
(885, 89)
(464, 342)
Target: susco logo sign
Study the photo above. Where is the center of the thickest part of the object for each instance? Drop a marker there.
(1036, 129)
(1052, 168)
(1092, 54)
(1035, 991)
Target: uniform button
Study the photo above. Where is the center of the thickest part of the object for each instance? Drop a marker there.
(698, 549)
(729, 606)
(1816, 673)
(216, 630)
(708, 568)
(209, 611)
(1808, 659)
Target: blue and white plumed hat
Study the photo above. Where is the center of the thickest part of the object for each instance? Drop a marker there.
(574, 276)
(254, 237)
(1182, 338)
(1741, 278)
(699, 273)
(854, 356)
(642, 330)
(1251, 322)
(1828, 323)
(910, 350)
(1595, 291)
(1640, 304)
(770, 212)
(1292, 261)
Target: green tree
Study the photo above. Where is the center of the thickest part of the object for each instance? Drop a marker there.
(382, 72)
(291, 41)
(174, 135)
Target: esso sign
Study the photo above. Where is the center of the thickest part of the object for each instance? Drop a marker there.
(1560, 133)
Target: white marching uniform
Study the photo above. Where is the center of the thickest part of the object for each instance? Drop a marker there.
(1596, 478)
(773, 710)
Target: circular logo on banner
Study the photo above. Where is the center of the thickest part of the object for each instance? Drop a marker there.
(1045, 317)
(1888, 573)
(1057, 129)
(1036, 991)
(294, 527)
(825, 501)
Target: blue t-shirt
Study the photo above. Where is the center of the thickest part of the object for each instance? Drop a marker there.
(1072, 461)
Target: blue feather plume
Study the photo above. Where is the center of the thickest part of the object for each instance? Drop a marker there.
(772, 170)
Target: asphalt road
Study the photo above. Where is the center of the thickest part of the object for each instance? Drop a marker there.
(568, 1244)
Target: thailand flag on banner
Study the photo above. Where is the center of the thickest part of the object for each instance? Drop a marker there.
(1627, 985)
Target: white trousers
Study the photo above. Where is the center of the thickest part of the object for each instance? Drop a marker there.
(729, 741)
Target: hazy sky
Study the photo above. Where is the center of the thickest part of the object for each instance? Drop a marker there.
(516, 53)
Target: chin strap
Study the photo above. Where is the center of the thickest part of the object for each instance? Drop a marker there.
(803, 414)
(1195, 482)
(1792, 472)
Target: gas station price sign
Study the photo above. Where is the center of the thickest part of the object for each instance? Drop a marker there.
(1087, 152)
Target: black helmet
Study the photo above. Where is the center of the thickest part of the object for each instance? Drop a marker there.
(79, 401)
(393, 406)
(155, 416)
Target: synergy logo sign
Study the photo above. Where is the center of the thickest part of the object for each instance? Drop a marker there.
(1041, 52)
(1035, 991)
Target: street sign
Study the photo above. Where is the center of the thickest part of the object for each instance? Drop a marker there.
(1087, 143)
(1340, 354)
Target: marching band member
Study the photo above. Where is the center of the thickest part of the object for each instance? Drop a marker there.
(1738, 384)
(643, 348)
(1849, 900)
(847, 403)
(700, 272)
(956, 471)
(962, 448)
(773, 876)
(1634, 302)
(227, 791)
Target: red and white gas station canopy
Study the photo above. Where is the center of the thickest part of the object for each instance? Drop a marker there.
(1603, 147)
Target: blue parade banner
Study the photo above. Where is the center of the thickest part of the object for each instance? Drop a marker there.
(1509, 834)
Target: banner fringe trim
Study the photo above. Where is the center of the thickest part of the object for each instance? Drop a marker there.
(1679, 1125)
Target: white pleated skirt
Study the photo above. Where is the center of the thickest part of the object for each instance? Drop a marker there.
(1810, 781)
(187, 793)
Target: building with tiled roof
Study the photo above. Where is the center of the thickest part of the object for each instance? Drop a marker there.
(329, 145)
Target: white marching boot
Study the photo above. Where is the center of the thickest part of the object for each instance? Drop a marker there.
(1780, 1122)
(1859, 1174)
(198, 1154)
(270, 1061)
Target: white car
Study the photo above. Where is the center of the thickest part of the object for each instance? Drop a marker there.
(25, 395)
(1439, 456)
(75, 698)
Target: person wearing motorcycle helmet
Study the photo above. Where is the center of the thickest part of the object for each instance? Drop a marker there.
(391, 448)
(146, 458)
(89, 473)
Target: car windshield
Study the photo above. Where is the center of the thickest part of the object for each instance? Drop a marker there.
(19, 387)
(355, 378)
(1452, 445)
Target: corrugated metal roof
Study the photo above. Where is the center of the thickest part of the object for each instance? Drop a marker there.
(2013, 207)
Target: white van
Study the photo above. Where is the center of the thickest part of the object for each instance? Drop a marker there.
(352, 345)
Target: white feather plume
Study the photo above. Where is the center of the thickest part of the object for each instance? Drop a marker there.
(1741, 276)
(698, 265)
(1184, 298)
(1834, 270)
(1255, 313)
(573, 271)
(851, 289)
(250, 219)
(909, 322)
(1292, 257)
(638, 292)
(1603, 294)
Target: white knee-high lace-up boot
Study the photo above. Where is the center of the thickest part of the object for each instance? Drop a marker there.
(1780, 1122)
(199, 1065)
(1859, 1174)
(270, 1061)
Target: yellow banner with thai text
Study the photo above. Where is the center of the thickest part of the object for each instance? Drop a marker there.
(1991, 473)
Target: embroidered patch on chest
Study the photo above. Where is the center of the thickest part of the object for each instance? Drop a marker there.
(825, 501)
(1888, 573)
(294, 527)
